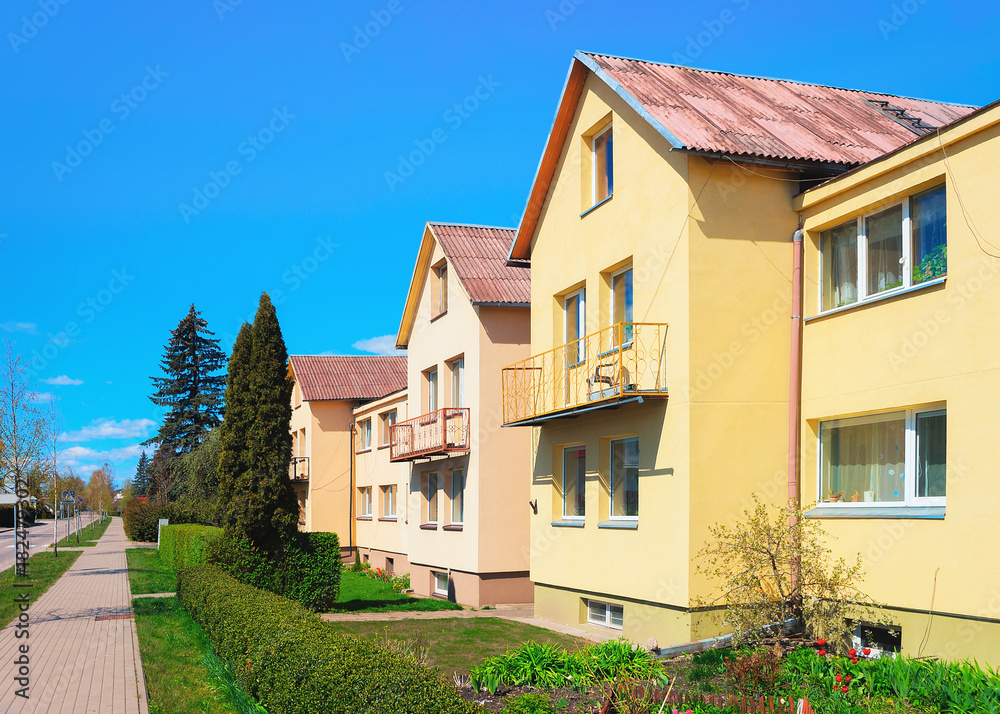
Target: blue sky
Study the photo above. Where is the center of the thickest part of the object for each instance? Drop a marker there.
(160, 154)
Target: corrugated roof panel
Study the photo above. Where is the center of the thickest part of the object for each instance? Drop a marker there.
(350, 377)
(479, 257)
(772, 118)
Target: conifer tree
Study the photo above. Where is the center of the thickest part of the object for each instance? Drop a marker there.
(191, 390)
(235, 430)
(140, 484)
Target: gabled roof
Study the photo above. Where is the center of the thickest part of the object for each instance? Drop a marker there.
(347, 377)
(478, 257)
(745, 118)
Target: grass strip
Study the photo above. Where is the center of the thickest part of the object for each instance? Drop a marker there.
(359, 593)
(456, 644)
(43, 570)
(223, 682)
(89, 535)
(147, 573)
(173, 647)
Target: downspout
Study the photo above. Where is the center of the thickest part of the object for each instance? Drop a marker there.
(795, 392)
(351, 524)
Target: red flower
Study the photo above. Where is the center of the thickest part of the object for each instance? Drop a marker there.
(848, 678)
(854, 660)
(867, 651)
(821, 642)
(845, 688)
(821, 653)
(852, 652)
(839, 678)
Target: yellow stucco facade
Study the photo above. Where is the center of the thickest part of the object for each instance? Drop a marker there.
(922, 348)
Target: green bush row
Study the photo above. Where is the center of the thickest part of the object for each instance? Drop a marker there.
(7, 515)
(185, 545)
(141, 517)
(291, 661)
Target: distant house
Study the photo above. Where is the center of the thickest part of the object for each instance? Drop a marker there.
(326, 391)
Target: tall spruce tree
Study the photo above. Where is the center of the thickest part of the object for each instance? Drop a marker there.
(234, 463)
(191, 390)
(140, 484)
(256, 496)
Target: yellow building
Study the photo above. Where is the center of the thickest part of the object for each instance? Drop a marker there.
(659, 234)
(900, 382)
(326, 391)
(466, 502)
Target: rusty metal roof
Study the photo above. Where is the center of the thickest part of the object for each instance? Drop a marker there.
(353, 377)
(478, 255)
(774, 119)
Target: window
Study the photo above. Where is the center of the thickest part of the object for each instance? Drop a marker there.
(896, 247)
(364, 435)
(390, 565)
(432, 389)
(896, 458)
(574, 481)
(881, 640)
(388, 501)
(625, 478)
(603, 163)
(388, 420)
(430, 498)
(365, 501)
(457, 368)
(604, 613)
(440, 583)
(439, 299)
(457, 496)
(575, 321)
(621, 305)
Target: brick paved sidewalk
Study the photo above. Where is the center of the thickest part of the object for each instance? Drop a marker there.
(84, 654)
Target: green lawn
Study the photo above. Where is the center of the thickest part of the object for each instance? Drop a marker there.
(43, 570)
(89, 534)
(173, 647)
(147, 573)
(456, 644)
(359, 593)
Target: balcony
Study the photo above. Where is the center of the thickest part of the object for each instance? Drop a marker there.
(439, 433)
(298, 469)
(621, 363)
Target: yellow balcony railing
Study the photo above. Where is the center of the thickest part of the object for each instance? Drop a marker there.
(623, 361)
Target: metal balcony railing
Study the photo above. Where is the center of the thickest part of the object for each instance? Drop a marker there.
(437, 433)
(298, 469)
(620, 362)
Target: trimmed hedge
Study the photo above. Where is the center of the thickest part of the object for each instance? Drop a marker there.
(7, 515)
(142, 517)
(186, 545)
(292, 662)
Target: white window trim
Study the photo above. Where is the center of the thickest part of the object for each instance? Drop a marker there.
(593, 165)
(433, 395)
(452, 504)
(363, 426)
(861, 246)
(611, 478)
(606, 622)
(566, 516)
(447, 579)
(910, 498)
(581, 322)
(387, 426)
(611, 316)
(425, 487)
(457, 366)
(366, 501)
(389, 491)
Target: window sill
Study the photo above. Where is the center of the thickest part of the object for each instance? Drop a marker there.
(623, 524)
(439, 315)
(363, 451)
(569, 524)
(392, 519)
(598, 204)
(363, 518)
(916, 512)
(384, 446)
(428, 526)
(887, 295)
(452, 527)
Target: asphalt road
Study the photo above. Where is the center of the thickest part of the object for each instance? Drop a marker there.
(39, 537)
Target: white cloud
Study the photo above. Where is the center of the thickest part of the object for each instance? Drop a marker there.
(29, 327)
(111, 429)
(382, 345)
(63, 380)
(42, 397)
(78, 456)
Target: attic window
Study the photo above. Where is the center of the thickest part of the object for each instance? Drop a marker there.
(602, 148)
(439, 296)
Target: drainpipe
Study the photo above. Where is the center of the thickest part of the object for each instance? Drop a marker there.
(795, 387)
(350, 496)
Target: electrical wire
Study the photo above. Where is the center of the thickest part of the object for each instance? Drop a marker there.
(965, 212)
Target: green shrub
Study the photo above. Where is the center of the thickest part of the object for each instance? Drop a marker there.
(7, 515)
(306, 570)
(141, 520)
(184, 545)
(291, 661)
(528, 704)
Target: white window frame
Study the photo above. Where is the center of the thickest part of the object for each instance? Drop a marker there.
(389, 501)
(910, 498)
(438, 575)
(606, 621)
(366, 501)
(457, 369)
(567, 516)
(609, 129)
(432, 389)
(388, 421)
(629, 305)
(365, 434)
(461, 518)
(861, 246)
(426, 488)
(581, 324)
(611, 477)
